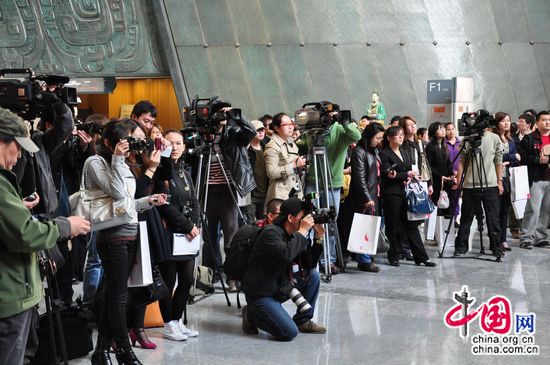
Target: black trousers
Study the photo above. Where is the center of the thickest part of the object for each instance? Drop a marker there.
(172, 308)
(220, 209)
(504, 208)
(399, 228)
(117, 259)
(471, 203)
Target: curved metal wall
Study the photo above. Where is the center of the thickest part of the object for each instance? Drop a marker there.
(268, 56)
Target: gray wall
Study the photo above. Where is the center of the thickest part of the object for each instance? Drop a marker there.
(318, 50)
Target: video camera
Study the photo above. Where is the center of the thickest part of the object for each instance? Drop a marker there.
(27, 94)
(206, 114)
(320, 215)
(318, 115)
(472, 125)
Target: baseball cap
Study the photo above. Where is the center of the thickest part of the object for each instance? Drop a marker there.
(13, 125)
(290, 206)
(257, 124)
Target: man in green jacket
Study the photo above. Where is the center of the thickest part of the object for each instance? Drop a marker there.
(20, 238)
(338, 138)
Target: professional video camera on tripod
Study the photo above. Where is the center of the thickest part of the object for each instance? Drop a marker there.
(328, 131)
(479, 181)
(218, 132)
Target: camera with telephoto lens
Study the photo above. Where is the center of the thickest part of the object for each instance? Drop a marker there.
(320, 215)
(26, 94)
(472, 125)
(138, 145)
(288, 290)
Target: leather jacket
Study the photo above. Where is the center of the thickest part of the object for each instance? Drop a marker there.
(234, 145)
(364, 179)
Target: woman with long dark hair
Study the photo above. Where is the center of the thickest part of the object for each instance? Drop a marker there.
(180, 216)
(510, 158)
(396, 171)
(438, 159)
(364, 192)
(108, 171)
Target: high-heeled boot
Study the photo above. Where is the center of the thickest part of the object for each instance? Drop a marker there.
(101, 351)
(125, 355)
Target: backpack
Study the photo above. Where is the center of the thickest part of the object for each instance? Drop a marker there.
(236, 259)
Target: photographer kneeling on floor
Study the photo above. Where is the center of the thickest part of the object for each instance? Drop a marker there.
(281, 266)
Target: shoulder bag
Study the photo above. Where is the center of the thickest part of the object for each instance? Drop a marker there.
(99, 207)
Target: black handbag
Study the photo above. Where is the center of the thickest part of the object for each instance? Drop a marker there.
(158, 289)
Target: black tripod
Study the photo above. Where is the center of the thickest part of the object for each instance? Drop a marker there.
(202, 181)
(474, 157)
(318, 154)
(53, 310)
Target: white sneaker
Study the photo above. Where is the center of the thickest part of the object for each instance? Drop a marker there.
(186, 331)
(172, 332)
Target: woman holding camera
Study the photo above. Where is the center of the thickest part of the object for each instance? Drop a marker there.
(396, 172)
(365, 181)
(108, 171)
(180, 216)
(282, 160)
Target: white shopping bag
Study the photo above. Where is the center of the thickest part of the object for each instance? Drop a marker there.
(429, 225)
(441, 226)
(519, 183)
(142, 273)
(363, 237)
(184, 246)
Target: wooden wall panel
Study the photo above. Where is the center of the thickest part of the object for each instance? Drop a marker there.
(160, 92)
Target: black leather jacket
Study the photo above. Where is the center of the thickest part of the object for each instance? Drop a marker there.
(364, 179)
(234, 146)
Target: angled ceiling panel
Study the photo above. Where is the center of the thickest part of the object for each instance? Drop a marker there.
(186, 28)
(216, 20)
(510, 21)
(524, 77)
(280, 22)
(247, 21)
(262, 78)
(326, 74)
(537, 13)
(445, 21)
(412, 21)
(293, 77)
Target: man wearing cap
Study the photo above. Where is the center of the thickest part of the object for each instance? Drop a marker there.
(257, 161)
(282, 255)
(20, 238)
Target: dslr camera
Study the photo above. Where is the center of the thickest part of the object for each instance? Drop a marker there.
(472, 125)
(318, 115)
(320, 215)
(26, 94)
(289, 291)
(137, 145)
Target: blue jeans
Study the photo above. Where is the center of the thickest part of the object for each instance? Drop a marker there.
(335, 203)
(93, 272)
(14, 332)
(268, 314)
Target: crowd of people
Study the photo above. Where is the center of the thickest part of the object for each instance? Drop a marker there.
(258, 173)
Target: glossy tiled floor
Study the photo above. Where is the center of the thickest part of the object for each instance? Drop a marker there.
(393, 317)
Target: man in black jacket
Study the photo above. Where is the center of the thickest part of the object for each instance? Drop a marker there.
(230, 172)
(281, 257)
(535, 153)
